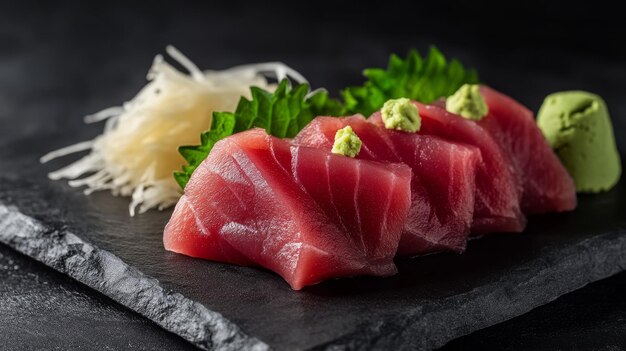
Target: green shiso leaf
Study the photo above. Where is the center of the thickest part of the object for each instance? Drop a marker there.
(414, 77)
(282, 113)
(223, 125)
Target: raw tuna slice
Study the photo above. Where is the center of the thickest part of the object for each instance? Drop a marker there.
(547, 187)
(442, 188)
(301, 212)
(497, 200)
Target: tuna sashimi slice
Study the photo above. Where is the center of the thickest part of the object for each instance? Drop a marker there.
(442, 187)
(303, 213)
(497, 202)
(546, 185)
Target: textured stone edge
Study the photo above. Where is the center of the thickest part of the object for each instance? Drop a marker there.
(429, 327)
(108, 274)
(423, 328)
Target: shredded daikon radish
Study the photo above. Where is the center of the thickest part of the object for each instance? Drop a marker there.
(138, 150)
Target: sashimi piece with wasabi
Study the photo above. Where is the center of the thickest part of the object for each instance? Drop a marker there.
(546, 185)
(304, 213)
(498, 194)
(442, 185)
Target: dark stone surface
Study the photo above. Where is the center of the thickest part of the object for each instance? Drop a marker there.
(43, 310)
(592, 318)
(61, 62)
(52, 244)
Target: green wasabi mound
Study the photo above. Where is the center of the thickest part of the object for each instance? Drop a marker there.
(401, 114)
(468, 102)
(578, 127)
(347, 143)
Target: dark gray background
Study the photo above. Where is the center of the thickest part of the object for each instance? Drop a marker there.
(76, 58)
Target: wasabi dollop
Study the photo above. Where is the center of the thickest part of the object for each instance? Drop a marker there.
(346, 143)
(401, 114)
(578, 127)
(468, 102)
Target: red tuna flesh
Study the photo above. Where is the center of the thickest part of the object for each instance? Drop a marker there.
(546, 185)
(497, 201)
(442, 188)
(301, 212)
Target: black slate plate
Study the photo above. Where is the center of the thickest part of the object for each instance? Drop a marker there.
(431, 301)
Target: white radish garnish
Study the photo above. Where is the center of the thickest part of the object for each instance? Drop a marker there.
(137, 152)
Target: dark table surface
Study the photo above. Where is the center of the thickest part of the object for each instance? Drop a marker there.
(76, 58)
